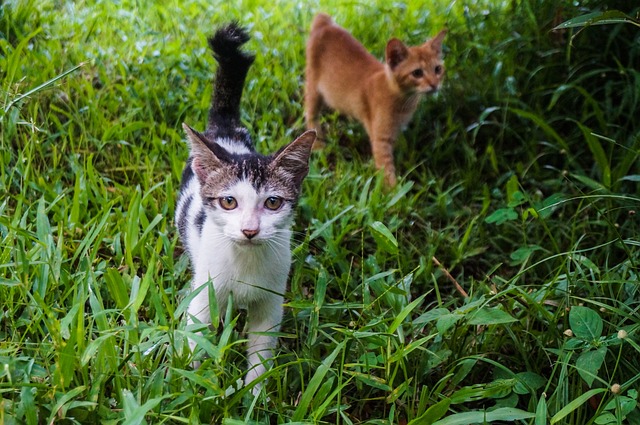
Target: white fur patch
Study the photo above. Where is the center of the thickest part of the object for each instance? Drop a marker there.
(232, 146)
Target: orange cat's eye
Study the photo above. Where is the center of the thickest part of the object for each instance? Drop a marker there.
(273, 203)
(417, 73)
(228, 202)
(438, 69)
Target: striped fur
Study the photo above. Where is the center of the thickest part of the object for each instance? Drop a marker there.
(244, 251)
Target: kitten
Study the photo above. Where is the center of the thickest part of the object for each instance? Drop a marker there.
(383, 97)
(235, 208)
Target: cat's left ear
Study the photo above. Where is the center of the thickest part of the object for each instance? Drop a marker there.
(395, 52)
(294, 158)
(436, 42)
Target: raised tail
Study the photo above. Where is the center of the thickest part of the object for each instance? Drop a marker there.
(233, 65)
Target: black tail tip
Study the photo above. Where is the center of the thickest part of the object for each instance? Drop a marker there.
(227, 40)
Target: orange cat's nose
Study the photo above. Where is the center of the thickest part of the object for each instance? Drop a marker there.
(430, 88)
(250, 233)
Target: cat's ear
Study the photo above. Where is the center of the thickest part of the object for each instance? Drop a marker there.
(436, 42)
(293, 159)
(395, 52)
(203, 161)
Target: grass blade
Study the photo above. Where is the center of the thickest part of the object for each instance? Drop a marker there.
(316, 382)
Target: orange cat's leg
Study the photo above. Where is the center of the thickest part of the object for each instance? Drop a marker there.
(382, 149)
(382, 134)
(312, 105)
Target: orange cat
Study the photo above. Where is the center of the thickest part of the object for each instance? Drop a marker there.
(383, 97)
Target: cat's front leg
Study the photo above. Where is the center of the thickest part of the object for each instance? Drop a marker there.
(261, 319)
(198, 310)
(382, 149)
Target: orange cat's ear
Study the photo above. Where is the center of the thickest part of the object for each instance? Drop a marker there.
(436, 42)
(395, 52)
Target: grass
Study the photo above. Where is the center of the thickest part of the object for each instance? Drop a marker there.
(519, 178)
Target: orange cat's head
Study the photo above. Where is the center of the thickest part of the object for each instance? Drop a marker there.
(418, 69)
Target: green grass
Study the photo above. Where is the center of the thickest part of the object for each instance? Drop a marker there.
(520, 178)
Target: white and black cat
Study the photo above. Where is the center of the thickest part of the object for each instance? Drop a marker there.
(235, 208)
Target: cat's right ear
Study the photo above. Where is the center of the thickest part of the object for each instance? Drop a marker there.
(204, 161)
(395, 52)
(195, 139)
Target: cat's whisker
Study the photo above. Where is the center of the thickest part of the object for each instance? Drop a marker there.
(276, 245)
(300, 238)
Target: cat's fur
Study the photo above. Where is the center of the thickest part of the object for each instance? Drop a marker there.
(235, 208)
(383, 97)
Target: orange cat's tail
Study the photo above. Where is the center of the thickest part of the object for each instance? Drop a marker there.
(321, 20)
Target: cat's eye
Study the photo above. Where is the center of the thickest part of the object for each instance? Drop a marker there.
(438, 69)
(273, 203)
(417, 73)
(228, 202)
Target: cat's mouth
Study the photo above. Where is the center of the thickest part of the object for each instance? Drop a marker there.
(248, 242)
(429, 89)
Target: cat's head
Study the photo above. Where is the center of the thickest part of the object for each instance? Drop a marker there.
(249, 196)
(417, 69)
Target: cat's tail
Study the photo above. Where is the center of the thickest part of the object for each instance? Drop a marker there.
(233, 65)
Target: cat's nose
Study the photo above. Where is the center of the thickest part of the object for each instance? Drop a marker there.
(250, 233)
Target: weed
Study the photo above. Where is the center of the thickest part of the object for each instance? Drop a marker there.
(498, 282)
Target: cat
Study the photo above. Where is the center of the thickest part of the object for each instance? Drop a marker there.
(235, 209)
(342, 74)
